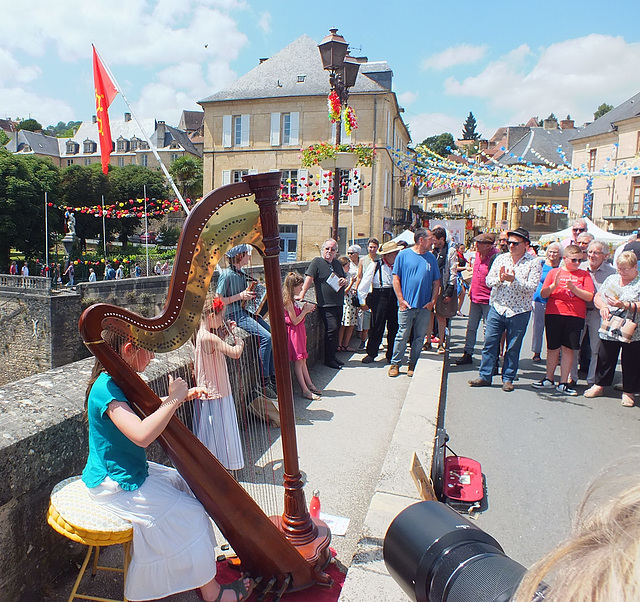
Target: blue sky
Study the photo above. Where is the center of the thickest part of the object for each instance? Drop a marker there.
(504, 61)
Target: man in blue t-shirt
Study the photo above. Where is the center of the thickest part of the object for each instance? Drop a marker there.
(416, 280)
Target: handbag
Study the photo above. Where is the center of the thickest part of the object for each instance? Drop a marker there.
(355, 301)
(447, 309)
(620, 328)
(467, 274)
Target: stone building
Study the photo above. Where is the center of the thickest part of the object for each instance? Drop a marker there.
(129, 144)
(263, 120)
(530, 207)
(611, 140)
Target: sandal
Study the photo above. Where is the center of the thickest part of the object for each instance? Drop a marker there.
(536, 357)
(311, 395)
(315, 390)
(238, 587)
(340, 348)
(628, 401)
(348, 349)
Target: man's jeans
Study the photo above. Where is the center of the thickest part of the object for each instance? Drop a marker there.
(476, 311)
(515, 327)
(418, 320)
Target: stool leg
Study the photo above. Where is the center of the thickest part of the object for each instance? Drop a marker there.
(83, 568)
(126, 547)
(95, 562)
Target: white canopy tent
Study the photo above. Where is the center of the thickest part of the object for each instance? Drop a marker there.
(613, 239)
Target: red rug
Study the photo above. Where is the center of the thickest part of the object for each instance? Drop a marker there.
(317, 593)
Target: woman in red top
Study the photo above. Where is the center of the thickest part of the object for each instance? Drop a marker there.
(568, 289)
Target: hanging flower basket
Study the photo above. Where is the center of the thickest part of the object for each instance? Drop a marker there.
(317, 153)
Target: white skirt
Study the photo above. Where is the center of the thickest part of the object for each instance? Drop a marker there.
(215, 423)
(173, 541)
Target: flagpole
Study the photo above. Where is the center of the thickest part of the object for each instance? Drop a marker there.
(146, 225)
(46, 234)
(104, 232)
(144, 133)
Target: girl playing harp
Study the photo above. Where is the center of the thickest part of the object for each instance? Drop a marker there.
(173, 541)
(216, 422)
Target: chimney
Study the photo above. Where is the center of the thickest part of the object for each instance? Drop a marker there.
(127, 117)
(263, 60)
(161, 130)
(567, 124)
(94, 119)
(483, 144)
(550, 124)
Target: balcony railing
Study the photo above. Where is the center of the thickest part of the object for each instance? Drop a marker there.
(616, 211)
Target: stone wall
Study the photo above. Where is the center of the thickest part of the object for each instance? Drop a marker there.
(43, 441)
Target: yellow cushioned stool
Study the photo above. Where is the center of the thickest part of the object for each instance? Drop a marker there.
(75, 515)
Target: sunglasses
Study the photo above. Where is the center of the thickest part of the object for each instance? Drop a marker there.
(513, 243)
(574, 260)
(579, 229)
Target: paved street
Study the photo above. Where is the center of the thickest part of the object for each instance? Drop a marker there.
(538, 450)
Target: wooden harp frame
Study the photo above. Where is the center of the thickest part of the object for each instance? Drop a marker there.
(291, 549)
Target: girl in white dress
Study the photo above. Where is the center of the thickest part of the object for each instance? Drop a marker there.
(215, 420)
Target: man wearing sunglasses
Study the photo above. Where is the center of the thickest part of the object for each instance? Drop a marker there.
(513, 278)
(577, 228)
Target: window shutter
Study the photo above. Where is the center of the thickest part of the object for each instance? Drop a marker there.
(226, 131)
(303, 184)
(226, 177)
(275, 129)
(245, 130)
(326, 185)
(354, 185)
(295, 129)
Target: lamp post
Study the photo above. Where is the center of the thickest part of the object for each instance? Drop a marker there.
(343, 73)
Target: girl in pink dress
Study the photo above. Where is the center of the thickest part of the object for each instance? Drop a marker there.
(294, 314)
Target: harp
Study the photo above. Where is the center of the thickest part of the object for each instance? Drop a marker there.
(290, 550)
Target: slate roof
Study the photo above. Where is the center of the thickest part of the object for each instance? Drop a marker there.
(279, 76)
(603, 125)
(191, 120)
(39, 143)
(544, 142)
(119, 128)
(182, 138)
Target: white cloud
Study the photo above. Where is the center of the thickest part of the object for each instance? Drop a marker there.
(18, 103)
(264, 23)
(12, 71)
(456, 55)
(406, 99)
(570, 77)
(423, 125)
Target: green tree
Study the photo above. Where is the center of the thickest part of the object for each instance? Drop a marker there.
(442, 144)
(129, 182)
(602, 110)
(64, 130)
(187, 174)
(23, 182)
(3, 138)
(469, 130)
(84, 186)
(29, 124)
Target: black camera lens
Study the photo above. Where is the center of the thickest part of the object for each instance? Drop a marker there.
(436, 555)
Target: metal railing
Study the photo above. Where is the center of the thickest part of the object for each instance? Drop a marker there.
(33, 283)
(620, 211)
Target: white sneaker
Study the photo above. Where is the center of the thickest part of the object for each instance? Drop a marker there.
(545, 383)
(565, 390)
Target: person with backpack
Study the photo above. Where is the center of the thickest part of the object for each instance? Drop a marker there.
(479, 293)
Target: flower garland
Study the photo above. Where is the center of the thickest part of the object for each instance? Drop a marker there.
(335, 106)
(319, 187)
(350, 120)
(315, 153)
(131, 208)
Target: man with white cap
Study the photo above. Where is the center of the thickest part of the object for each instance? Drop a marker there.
(375, 291)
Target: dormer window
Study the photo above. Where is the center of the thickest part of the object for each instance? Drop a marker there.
(134, 144)
(174, 144)
(72, 147)
(122, 145)
(89, 147)
(144, 145)
(301, 78)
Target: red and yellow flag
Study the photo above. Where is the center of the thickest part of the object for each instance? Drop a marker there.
(105, 91)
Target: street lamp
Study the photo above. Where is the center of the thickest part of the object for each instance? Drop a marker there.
(343, 73)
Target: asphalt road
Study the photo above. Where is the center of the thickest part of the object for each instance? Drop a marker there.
(538, 450)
